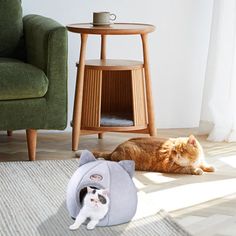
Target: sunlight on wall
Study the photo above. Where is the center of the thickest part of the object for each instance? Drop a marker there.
(178, 48)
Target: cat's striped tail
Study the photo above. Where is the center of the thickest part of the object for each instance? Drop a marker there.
(97, 154)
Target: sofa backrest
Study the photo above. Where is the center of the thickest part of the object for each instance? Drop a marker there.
(11, 27)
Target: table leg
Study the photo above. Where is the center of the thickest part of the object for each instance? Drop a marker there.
(79, 94)
(103, 46)
(150, 105)
(102, 56)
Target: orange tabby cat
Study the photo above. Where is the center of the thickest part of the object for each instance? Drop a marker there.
(174, 155)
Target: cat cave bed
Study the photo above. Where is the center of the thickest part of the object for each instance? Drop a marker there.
(101, 174)
(114, 96)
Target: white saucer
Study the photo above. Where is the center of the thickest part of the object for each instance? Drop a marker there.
(99, 24)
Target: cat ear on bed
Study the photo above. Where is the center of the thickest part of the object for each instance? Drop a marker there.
(129, 166)
(86, 157)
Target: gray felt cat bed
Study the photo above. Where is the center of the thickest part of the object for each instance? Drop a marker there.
(114, 176)
(116, 119)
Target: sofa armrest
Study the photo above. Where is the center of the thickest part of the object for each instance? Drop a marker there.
(46, 48)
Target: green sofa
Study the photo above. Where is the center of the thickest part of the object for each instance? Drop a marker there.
(33, 73)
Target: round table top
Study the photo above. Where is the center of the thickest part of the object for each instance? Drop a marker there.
(112, 29)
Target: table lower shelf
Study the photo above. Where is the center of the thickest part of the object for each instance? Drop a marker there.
(115, 123)
(129, 129)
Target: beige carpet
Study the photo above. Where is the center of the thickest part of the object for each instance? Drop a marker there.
(32, 202)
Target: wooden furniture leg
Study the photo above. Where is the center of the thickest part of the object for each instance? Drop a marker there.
(102, 56)
(31, 135)
(79, 94)
(150, 105)
(103, 47)
(9, 132)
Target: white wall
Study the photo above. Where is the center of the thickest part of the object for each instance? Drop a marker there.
(178, 48)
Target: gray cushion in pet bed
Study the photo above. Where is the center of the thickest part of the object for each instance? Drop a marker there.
(116, 119)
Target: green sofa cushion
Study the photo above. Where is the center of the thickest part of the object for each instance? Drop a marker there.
(11, 27)
(19, 80)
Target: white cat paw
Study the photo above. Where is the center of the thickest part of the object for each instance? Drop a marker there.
(90, 226)
(198, 171)
(73, 227)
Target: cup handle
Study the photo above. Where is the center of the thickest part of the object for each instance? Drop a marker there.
(112, 17)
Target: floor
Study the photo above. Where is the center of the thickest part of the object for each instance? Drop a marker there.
(204, 205)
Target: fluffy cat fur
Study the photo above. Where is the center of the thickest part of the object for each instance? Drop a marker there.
(95, 207)
(182, 155)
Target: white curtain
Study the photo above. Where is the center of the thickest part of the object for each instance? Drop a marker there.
(219, 98)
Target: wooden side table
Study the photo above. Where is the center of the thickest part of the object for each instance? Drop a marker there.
(112, 95)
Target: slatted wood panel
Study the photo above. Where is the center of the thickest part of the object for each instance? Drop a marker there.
(116, 92)
(91, 108)
(139, 98)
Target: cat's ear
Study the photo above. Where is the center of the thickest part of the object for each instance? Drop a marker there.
(129, 166)
(192, 140)
(105, 192)
(86, 157)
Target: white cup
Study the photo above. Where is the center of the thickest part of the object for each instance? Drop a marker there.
(103, 18)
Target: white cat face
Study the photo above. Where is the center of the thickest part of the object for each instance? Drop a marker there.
(96, 198)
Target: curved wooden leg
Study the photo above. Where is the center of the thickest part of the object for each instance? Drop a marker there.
(79, 95)
(31, 135)
(9, 132)
(150, 105)
(100, 136)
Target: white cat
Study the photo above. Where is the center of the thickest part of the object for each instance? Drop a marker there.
(95, 207)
